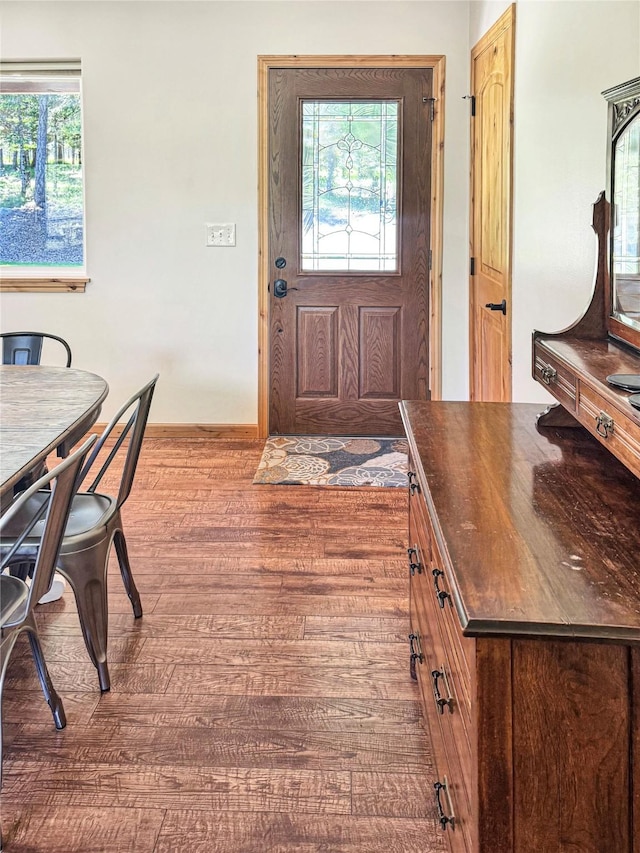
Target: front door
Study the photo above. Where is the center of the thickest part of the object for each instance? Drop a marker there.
(491, 217)
(349, 223)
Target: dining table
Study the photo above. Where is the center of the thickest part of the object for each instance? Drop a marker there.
(42, 410)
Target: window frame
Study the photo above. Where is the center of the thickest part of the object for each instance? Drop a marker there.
(46, 279)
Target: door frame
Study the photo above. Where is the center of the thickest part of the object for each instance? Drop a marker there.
(265, 64)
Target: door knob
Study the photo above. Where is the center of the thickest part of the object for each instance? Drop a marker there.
(280, 288)
(497, 306)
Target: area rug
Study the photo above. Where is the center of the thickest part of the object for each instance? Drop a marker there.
(333, 461)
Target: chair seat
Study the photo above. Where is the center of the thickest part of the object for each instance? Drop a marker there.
(13, 596)
(88, 518)
(89, 511)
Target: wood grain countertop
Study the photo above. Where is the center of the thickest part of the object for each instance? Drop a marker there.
(540, 529)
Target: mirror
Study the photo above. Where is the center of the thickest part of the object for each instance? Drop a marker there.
(625, 236)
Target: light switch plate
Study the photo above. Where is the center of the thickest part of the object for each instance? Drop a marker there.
(221, 234)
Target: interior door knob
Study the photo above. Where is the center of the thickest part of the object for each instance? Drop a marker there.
(497, 306)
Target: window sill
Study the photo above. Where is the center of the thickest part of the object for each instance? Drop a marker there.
(43, 285)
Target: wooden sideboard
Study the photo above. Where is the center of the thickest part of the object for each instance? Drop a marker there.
(524, 565)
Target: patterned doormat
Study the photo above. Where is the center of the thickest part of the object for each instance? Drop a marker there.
(313, 460)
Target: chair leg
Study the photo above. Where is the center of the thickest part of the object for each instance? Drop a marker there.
(50, 694)
(125, 570)
(87, 576)
(53, 699)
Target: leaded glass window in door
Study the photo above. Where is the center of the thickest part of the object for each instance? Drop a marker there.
(349, 186)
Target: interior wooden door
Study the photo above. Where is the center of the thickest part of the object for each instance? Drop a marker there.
(491, 212)
(349, 229)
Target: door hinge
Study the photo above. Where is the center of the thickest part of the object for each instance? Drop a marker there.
(472, 266)
(432, 107)
(471, 98)
(430, 259)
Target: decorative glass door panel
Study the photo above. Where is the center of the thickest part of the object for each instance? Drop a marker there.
(349, 186)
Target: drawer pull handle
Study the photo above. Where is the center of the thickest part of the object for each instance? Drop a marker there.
(441, 594)
(604, 425)
(414, 485)
(415, 655)
(549, 374)
(445, 820)
(441, 702)
(417, 565)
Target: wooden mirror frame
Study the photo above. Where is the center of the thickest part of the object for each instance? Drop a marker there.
(624, 107)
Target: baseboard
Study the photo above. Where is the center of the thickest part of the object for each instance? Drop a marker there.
(228, 431)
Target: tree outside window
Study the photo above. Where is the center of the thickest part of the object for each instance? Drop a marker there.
(41, 175)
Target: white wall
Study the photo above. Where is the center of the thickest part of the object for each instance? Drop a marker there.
(482, 14)
(566, 54)
(170, 143)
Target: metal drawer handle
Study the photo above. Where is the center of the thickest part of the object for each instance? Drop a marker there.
(549, 374)
(417, 565)
(415, 655)
(414, 485)
(604, 425)
(445, 820)
(441, 594)
(441, 702)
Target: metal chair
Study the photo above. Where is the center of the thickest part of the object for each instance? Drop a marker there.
(54, 493)
(95, 522)
(26, 347)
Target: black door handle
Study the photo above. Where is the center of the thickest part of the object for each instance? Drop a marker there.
(497, 306)
(280, 288)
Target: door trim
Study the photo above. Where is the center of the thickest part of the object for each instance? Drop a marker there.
(265, 63)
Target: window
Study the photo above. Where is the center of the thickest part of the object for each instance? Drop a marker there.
(41, 176)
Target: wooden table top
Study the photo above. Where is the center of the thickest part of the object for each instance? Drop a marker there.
(41, 409)
(541, 529)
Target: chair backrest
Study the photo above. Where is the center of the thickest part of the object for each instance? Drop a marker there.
(129, 440)
(26, 347)
(50, 498)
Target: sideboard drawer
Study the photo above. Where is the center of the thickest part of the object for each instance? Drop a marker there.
(613, 427)
(560, 381)
(451, 788)
(441, 666)
(462, 649)
(429, 575)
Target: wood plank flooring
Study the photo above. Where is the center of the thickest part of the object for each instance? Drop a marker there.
(261, 705)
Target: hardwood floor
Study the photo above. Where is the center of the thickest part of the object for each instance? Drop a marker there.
(261, 705)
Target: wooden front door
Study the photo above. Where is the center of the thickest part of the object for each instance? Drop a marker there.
(348, 245)
(491, 217)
